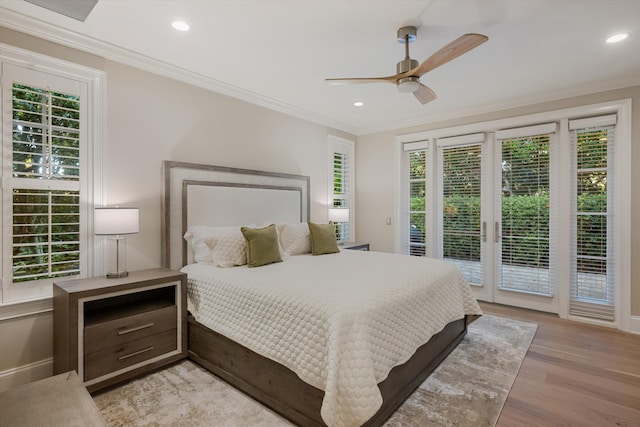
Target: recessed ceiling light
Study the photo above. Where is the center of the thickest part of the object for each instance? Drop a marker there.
(180, 26)
(617, 37)
(358, 104)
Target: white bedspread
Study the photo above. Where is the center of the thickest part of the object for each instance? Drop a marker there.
(340, 321)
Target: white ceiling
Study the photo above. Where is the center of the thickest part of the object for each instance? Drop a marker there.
(277, 53)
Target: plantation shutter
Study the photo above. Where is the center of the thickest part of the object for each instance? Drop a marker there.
(527, 261)
(45, 184)
(592, 225)
(460, 161)
(341, 154)
(416, 177)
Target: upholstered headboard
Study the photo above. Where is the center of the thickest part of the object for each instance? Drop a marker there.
(196, 194)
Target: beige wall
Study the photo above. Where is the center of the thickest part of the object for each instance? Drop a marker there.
(26, 339)
(149, 119)
(375, 174)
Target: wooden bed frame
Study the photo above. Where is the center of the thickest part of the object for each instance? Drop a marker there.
(267, 381)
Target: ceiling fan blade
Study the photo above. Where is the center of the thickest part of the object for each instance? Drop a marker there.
(361, 80)
(424, 94)
(449, 52)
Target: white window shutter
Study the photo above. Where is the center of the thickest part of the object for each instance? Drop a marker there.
(416, 181)
(341, 182)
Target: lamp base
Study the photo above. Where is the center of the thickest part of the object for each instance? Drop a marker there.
(117, 263)
(115, 275)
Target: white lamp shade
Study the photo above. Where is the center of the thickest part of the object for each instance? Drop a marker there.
(339, 214)
(116, 221)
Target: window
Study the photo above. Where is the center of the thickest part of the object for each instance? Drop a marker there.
(46, 156)
(415, 203)
(592, 225)
(341, 184)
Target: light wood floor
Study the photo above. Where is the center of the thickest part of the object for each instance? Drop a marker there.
(573, 375)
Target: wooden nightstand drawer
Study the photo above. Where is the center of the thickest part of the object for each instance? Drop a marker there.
(118, 357)
(110, 333)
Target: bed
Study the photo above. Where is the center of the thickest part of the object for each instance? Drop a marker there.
(331, 340)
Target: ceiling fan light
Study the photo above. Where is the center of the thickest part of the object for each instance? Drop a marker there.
(180, 25)
(617, 37)
(408, 84)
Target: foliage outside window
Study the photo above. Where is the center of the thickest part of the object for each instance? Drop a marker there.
(417, 175)
(341, 182)
(525, 201)
(592, 277)
(461, 222)
(461, 181)
(525, 214)
(46, 189)
(591, 215)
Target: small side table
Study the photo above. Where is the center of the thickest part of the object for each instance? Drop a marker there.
(355, 246)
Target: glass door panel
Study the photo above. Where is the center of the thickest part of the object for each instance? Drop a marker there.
(417, 169)
(461, 210)
(525, 215)
(523, 250)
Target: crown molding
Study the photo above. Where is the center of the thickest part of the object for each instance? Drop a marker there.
(24, 24)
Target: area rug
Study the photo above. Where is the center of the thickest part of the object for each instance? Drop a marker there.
(469, 388)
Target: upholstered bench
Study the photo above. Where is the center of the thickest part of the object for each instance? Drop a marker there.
(61, 400)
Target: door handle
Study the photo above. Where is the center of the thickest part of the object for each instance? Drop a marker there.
(484, 231)
(496, 233)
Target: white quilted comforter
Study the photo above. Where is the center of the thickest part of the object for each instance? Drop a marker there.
(340, 321)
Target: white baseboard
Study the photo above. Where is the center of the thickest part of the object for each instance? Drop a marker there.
(25, 374)
(635, 324)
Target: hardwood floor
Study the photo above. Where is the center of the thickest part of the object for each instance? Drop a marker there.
(573, 375)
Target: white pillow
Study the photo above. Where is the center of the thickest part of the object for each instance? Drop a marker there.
(195, 238)
(222, 246)
(294, 238)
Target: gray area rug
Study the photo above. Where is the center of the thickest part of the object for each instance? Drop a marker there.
(468, 389)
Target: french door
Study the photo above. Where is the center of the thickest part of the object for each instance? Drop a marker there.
(525, 218)
(460, 209)
(535, 216)
(495, 214)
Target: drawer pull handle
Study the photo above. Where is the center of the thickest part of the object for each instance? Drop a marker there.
(137, 328)
(135, 353)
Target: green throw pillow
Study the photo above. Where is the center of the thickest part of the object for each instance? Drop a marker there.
(323, 239)
(262, 245)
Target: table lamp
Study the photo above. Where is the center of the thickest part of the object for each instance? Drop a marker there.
(117, 223)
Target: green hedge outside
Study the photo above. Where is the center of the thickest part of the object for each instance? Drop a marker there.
(520, 218)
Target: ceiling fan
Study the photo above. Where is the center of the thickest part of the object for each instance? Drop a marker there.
(409, 72)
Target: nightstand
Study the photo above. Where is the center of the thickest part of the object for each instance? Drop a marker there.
(110, 330)
(355, 246)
